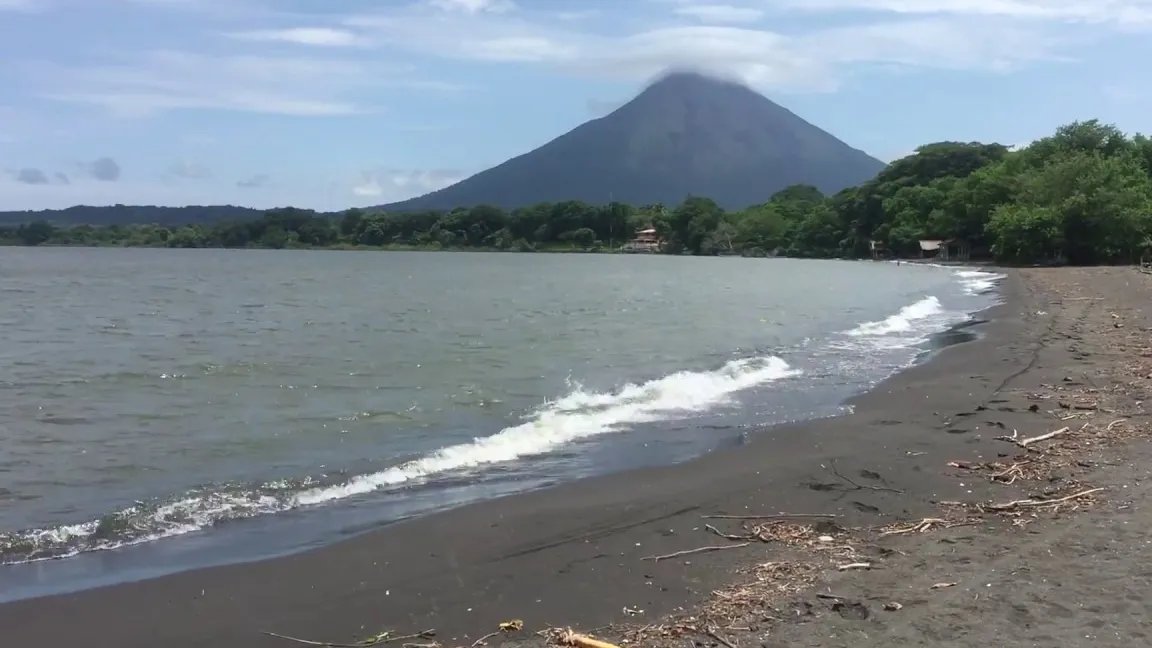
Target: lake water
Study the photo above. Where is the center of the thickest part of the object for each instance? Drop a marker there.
(169, 409)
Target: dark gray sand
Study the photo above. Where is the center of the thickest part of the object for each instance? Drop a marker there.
(1070, 348)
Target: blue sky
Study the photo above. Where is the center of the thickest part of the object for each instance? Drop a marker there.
(335, 103)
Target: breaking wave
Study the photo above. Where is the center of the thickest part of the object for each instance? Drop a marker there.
(580, 414)
(902, 321)
(976, 282)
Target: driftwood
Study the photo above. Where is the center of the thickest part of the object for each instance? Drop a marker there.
(1026, 503)
(378, 640)
(584, 641)
(1027, 441)
(927, 524)
(771, 516)
(688, 552)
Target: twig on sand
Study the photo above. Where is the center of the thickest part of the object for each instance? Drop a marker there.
(1025, 442)
(697, 550)
(857, 486)
(482, 640)
(771, 516)
(716, 635)
(726, 536)
(925, 525)
(858, 565)
(1007, 506)
(382, 638)
(507, 626)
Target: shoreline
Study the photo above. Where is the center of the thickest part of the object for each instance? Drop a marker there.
(508, 567)
(135, 563)
(556, 249)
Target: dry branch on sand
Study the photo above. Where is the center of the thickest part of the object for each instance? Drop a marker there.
(1031, 502)
(379, 639)
(766, 583)
(689, 552)
(925, 525)
(1024, 510)
(771, 516)
(1024, 443)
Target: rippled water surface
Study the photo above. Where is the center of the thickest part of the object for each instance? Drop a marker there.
(199, 396)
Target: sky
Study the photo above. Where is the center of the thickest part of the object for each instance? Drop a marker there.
(330, 104)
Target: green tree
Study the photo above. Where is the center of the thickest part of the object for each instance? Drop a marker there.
(36, 232)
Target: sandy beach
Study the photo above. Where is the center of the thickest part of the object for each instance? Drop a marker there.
(947, 524)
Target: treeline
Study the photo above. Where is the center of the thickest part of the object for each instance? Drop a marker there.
(1081, 196)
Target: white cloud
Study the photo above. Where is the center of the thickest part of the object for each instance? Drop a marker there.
(20, 5)
(721, 13)
(1092, 11)
(936, 43)
(517, 48)
(316, 36)
(474, 6)
(399, 184)
(167, 80)
(811, 59)
(577, 15)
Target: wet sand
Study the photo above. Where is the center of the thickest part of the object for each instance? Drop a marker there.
(580, 555)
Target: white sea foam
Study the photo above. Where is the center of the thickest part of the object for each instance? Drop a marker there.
(976, 282)
(578, 415)
(901, 322)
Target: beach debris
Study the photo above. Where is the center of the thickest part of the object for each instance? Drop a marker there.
(378, 639)
(942, 585)
(927, 524)
(796, 535)
(771, 516)
(515, 625)
(570, 638)
(688, 552)
(1024, 443)
(711, 632)
(1031, 502)
(893, 606)
(858, 565)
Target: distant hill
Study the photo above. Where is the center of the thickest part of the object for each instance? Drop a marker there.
(129, 214)
(685, 134)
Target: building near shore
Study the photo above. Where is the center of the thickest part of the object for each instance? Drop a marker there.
(645, 240)
(944, 249)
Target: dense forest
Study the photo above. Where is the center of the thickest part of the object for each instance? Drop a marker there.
(1081, 196)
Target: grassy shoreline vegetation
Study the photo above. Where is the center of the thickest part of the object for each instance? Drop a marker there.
(1080, 196)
